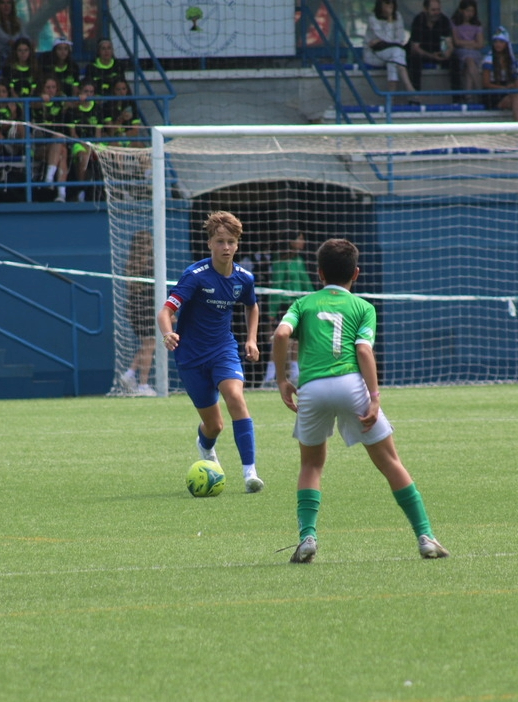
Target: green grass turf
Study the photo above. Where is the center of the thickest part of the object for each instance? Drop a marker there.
(116, 584)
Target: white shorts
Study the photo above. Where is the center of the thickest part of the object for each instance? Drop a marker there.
(344, 399)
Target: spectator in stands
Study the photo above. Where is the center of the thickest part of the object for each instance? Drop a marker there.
(141, 314)
(11, 29)
(430, 40)
(59, 62)
(500, 70)
(121, 116)
(384, 43)
(50, 114)
(10, 111)
(22, 70)
(468, 40)
(85, 121)
(106, 70)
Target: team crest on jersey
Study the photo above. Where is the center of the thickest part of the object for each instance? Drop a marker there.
(237, 291)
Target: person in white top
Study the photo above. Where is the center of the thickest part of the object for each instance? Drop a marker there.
(384, 44)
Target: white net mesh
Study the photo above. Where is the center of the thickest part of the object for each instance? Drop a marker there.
(434, 216)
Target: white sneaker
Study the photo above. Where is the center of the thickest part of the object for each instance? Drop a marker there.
(206, 454)
(431, 548)
(129, 382)
(146, 391)
(305, 551)
(254, 484)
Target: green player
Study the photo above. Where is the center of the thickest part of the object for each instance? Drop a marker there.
(338, 382)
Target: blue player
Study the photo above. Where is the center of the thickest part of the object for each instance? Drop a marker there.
(206, 352)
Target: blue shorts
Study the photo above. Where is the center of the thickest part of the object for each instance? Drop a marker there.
(202, 382)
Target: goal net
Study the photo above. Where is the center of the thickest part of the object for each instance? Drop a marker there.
(432, 208)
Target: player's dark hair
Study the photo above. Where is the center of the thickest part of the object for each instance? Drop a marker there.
(338, 260)
(223, 220)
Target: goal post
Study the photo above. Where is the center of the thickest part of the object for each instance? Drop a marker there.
(433, 209)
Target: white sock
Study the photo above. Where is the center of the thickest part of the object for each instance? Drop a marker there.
(51, 172)
(130, 373)
(249, 471)
(270, 372)
(62, 192)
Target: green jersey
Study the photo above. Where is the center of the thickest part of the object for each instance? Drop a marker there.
(290, 274)
(328, 324)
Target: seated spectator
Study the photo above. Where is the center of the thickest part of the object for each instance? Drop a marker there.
(106, 70)
(85, 120)
(51, 114)
(59, 62)
(121, 116)
(10, 111)
(430, 41)
(499, 70)
(11, 29)
(468, 40)
(384, 41)
(22, 70)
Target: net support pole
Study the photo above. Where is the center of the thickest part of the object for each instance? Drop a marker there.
(159, 255)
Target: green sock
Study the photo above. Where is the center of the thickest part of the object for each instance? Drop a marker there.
(308, 504)
(411, 502)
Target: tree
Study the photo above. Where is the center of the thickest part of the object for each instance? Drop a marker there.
(194, 14)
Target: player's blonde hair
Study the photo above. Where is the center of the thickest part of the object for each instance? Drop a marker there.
(226, 220)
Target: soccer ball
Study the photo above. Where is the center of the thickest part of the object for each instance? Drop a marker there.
(205, 479)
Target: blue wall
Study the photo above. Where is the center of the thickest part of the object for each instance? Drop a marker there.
(473, 250)
(74, 236)
(450, 246)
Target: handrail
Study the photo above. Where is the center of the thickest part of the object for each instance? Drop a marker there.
(71, 321)
(139, 35)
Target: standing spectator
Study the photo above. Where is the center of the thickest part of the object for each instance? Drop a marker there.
(106, 70)
(289, 273)
(430, 40)
(500, 70)
(121, 116)
(11, 29)
(22, 70)
(59, 62)
(10, 111)
(141, 314)
(384, 43)
(85, 121)
(468, 40)
(51, 114)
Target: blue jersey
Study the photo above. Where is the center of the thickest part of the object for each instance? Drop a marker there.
(204, 301)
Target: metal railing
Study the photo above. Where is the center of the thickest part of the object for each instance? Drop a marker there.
(19, 155)
(71, 321)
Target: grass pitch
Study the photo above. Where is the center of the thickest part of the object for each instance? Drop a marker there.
(116, 584)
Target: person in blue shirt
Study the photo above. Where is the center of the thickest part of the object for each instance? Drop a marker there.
(206, 351)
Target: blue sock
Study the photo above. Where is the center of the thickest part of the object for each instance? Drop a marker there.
(205, 441)
(245, 440)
